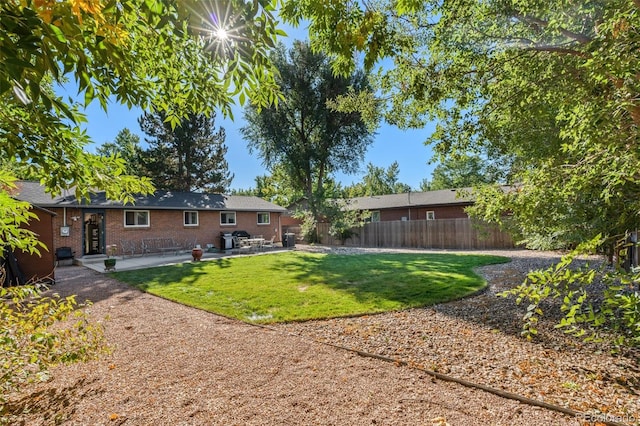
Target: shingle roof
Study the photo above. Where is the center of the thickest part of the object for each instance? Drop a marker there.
(35, 194)
(411, 199)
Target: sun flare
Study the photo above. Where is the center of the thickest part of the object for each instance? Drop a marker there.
(221, 34)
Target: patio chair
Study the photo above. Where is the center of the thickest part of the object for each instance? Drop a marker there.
(127, 247)
(268, 243)
(240, 244)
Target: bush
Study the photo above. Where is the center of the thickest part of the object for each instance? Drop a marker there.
(39, 332)
(596, 302)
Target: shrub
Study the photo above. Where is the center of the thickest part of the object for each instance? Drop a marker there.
(39, 332)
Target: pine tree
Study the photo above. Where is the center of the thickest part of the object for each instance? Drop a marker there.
(190, 157)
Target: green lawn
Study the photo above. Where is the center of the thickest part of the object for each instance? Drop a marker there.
(295, 286)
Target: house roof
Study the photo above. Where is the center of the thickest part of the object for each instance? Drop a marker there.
(35, 194)
(411, 199)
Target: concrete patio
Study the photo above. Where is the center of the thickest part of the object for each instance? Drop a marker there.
(128, 263)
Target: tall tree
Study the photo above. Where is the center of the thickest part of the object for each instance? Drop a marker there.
(378, 181)
(303, 135)
(159, 54)
(459, 172)
(189, 157)
(546, 87)
(126, 146)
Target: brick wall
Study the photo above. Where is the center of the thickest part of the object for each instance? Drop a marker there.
(162, 224)
(74, 240)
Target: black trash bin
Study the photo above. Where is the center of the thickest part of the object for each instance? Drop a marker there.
(289, 240)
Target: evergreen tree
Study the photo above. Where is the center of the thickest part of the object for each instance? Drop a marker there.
(126, 146)
(189, 157)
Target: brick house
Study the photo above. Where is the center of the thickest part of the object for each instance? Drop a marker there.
(88, 227)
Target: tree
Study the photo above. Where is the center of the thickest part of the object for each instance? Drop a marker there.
(548, 88)
(189, 157)
(276, 187)
(459, 172)
(160, 55)
(425, 185)
(378, 181)
(303, 135)
(126, 146)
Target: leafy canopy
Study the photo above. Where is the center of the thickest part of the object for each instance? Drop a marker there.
(548, 89)
(303, 136)
(160, 55)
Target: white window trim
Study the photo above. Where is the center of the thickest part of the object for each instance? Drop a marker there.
(190, 224)
(124, 218)
(432, 214)
(268, 217)
(235, 218)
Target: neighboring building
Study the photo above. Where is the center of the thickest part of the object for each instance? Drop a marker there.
(88, 227)
(431, 205)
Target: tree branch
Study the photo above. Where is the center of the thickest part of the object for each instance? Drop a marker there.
(557, 49)
(580, 38)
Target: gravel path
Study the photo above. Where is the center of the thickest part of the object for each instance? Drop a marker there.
(177, 365)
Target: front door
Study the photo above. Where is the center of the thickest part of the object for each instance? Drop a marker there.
(93, 232)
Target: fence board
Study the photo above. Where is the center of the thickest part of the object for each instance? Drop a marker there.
(437, 234)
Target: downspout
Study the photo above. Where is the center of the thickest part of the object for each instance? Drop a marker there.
(279, 226)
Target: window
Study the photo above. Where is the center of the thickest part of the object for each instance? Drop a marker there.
(227, 218)
(191, 218)
(375, 216)
(431, 215)
(264, 218)
(136, 218)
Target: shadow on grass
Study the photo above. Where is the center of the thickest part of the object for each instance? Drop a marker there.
(409, 279)
(346, 284)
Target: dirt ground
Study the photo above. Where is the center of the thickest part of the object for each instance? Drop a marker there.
(172, 364)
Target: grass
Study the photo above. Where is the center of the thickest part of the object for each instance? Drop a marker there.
(296, 286)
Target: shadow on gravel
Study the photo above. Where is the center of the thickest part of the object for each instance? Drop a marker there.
(88, 284)
(52, 406)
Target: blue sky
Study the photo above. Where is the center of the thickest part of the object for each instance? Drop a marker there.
(390, 143)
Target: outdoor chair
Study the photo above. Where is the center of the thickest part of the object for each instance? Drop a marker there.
(268, 243)
(240, 244)
(127, 247)
(64, 253)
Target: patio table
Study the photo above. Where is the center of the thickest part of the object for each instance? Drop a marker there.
(255, 242)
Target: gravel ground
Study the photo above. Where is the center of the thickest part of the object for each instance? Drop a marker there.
(176, 365)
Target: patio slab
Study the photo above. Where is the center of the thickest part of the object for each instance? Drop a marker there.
(129, 263)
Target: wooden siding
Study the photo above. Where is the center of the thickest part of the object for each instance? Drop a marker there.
(33, 266)
(420, 213)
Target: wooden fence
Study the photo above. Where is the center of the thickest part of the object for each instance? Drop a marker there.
(464, 234)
